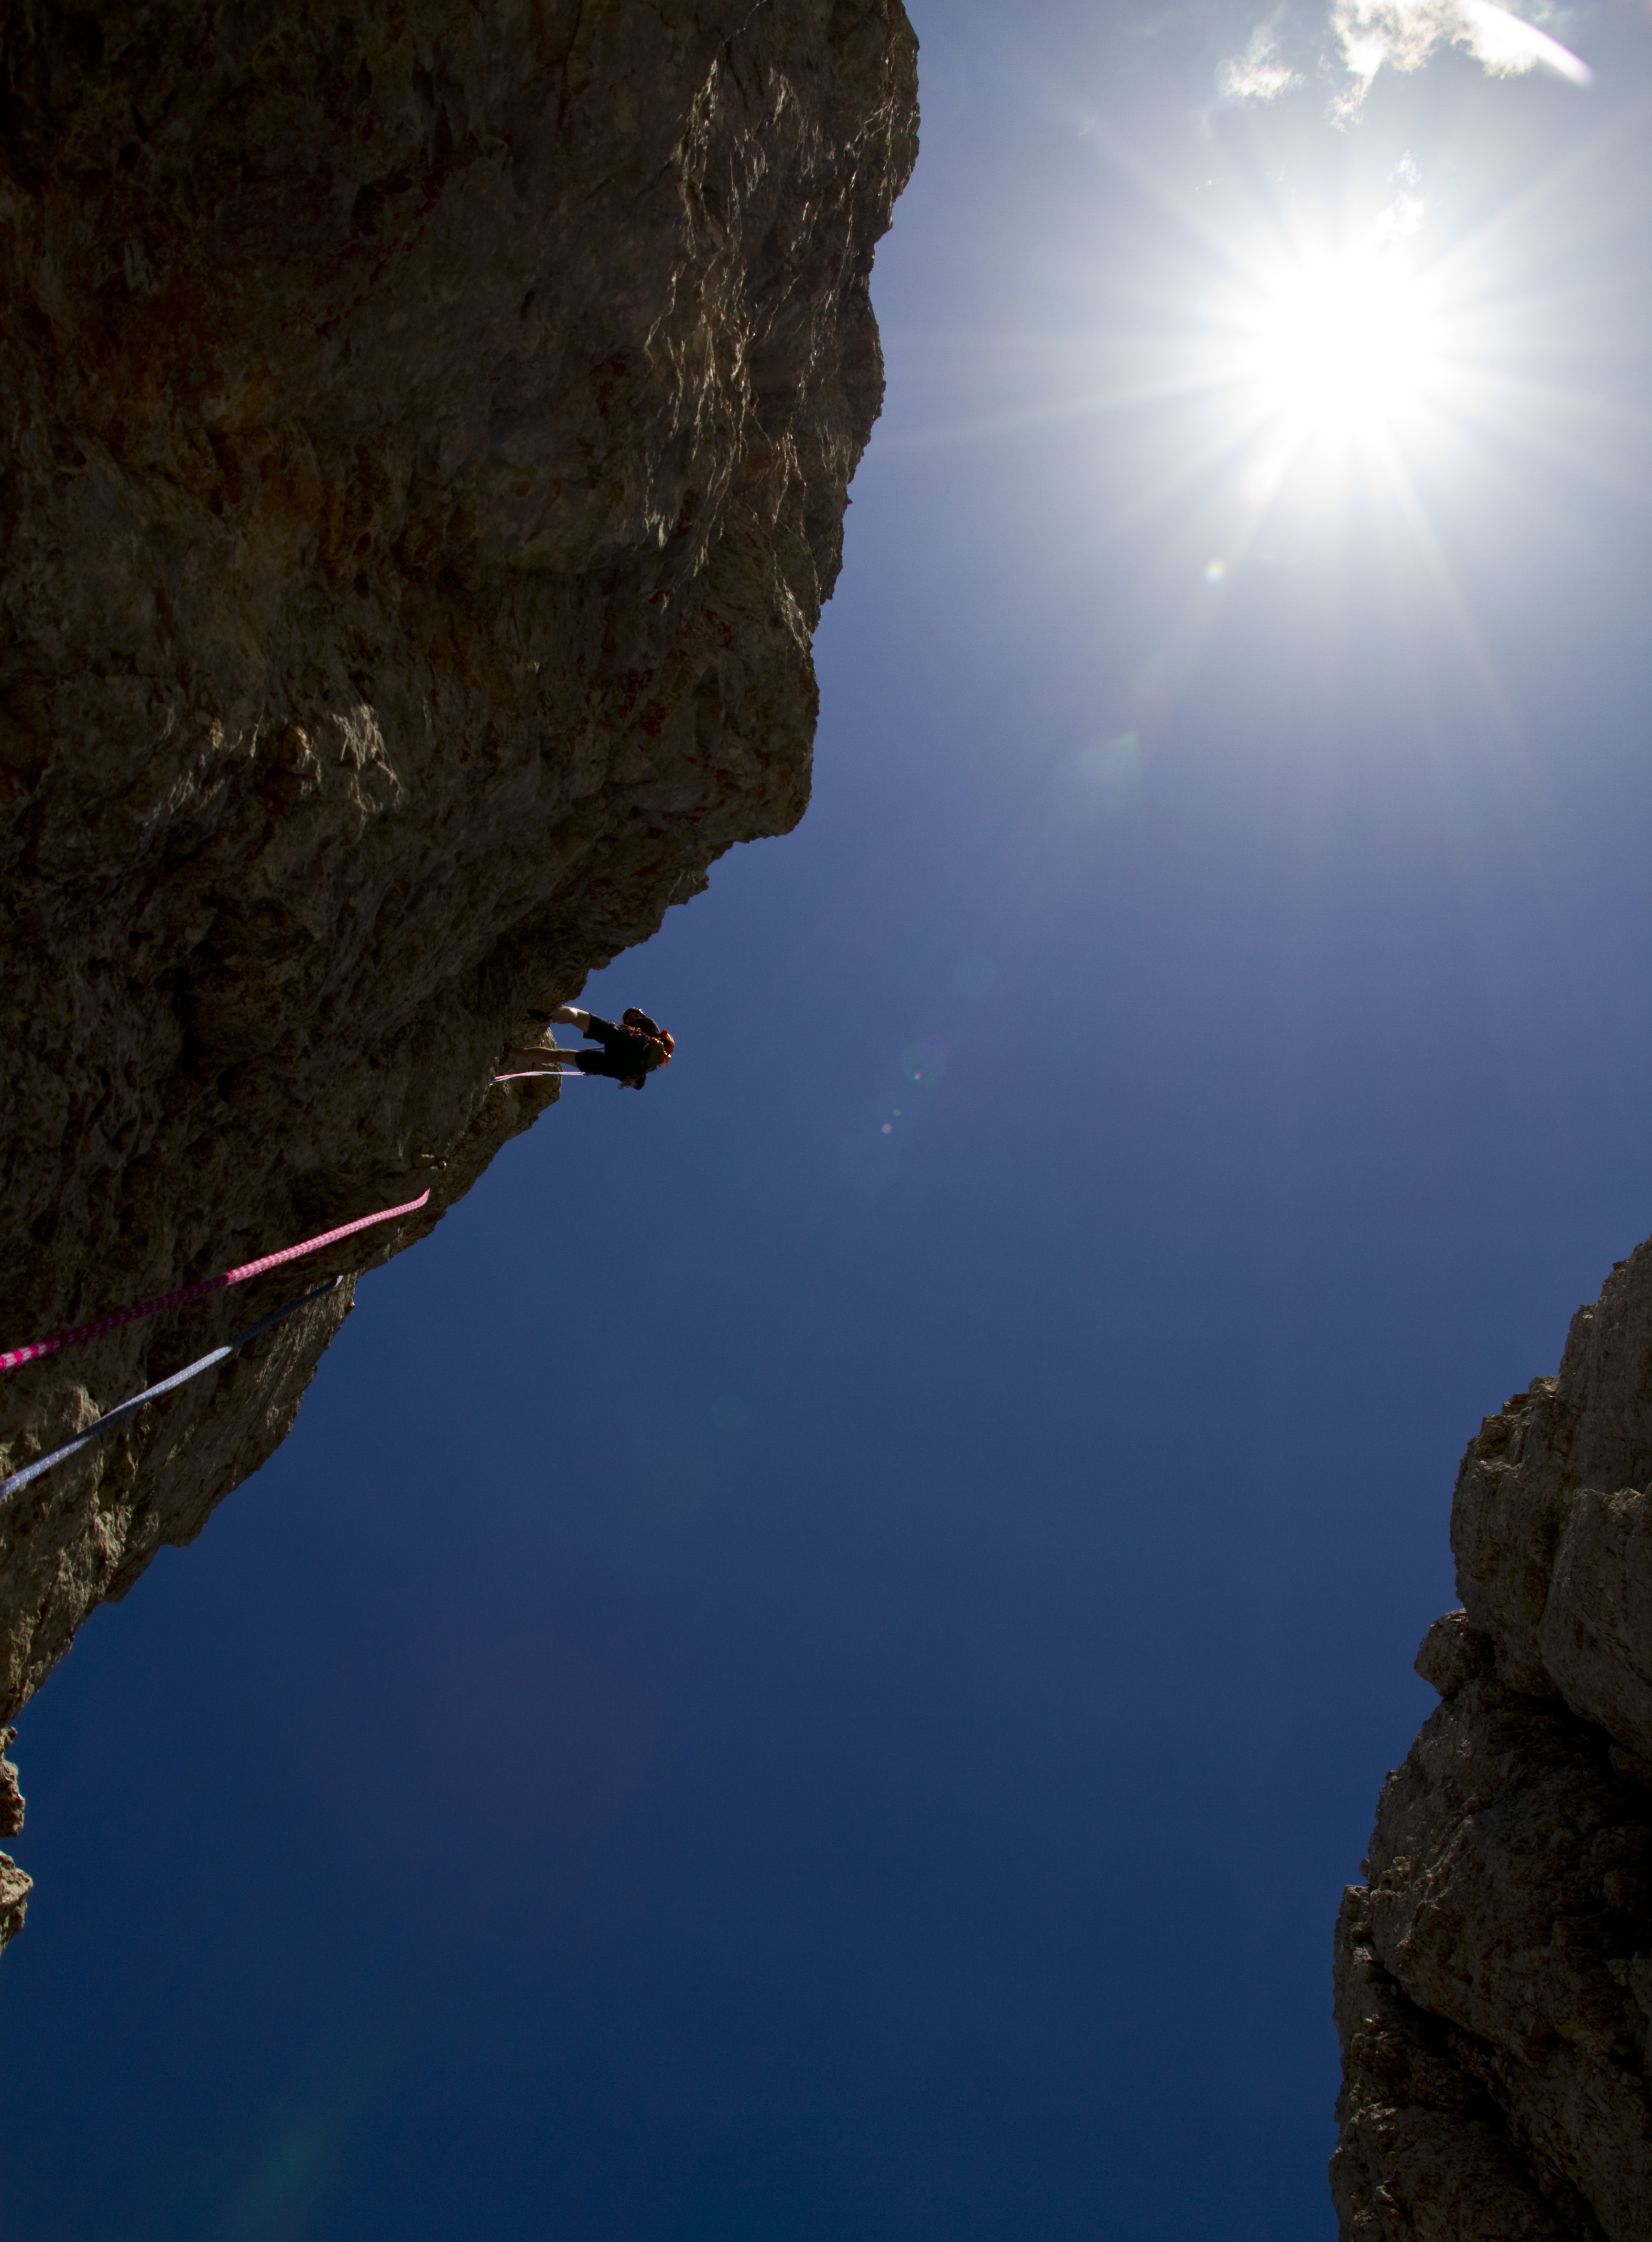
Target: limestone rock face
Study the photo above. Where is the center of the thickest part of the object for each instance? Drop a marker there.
(1494, 1980)
(424, 438)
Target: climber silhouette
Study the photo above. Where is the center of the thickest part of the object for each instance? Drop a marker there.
(629, 1053)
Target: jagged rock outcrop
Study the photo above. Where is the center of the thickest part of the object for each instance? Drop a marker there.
(15, 1887)
(424, 437)
(1493, 1978)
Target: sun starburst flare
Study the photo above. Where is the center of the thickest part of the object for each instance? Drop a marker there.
(1344, 346)
(1334, 359)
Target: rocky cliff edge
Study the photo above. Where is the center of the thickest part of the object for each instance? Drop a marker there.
(424, 438)
(1494, 1977)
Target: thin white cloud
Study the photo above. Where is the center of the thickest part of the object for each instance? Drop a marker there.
(1374, 35)
(1402, 218)
(1258, 74)
(1506, 43)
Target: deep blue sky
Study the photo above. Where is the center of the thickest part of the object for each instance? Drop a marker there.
(800, 1680)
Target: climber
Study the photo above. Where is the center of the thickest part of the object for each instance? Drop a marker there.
(629, 1054)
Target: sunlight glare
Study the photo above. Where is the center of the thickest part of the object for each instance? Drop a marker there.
(1343, 346)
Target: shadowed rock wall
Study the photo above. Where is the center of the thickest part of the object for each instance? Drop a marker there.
(1494, 1980)
(424, 438)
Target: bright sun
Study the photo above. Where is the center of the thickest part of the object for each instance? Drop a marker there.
(1332, 355)
(1343, 346)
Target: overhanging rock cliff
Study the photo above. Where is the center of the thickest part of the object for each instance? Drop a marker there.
(426, 438)
(1493, 1980)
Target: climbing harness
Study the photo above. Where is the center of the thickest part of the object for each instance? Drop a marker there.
(61, 1339)
(125, 1409)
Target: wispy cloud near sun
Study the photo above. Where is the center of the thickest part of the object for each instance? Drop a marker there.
(1370, 36)
(1258, 74)
(1402, 34)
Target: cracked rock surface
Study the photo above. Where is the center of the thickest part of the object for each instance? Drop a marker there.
(424, 439)
(1493, 1978)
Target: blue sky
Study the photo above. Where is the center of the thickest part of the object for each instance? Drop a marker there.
(818, 1657)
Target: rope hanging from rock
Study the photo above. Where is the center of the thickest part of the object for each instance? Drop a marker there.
(112, 1322)
(125, 1409)
(546, 1074)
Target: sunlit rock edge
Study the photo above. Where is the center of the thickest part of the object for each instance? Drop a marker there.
(1494, 1977)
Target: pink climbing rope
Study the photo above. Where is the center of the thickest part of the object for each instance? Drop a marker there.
(61, 1339)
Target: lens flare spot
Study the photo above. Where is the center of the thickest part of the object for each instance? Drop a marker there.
(924, 1060)
(1101, 779)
